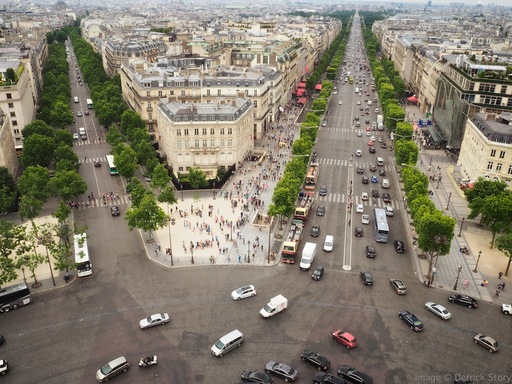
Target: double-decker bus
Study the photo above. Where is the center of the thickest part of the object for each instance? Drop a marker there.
(82, 262)
(311, 177)
(111, 166)
(89, 104)
(14, 296)
(381, 225)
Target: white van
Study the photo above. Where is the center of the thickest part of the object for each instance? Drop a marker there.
(385, 183)
(357, 90)
(380, 161)
(328, 243)
(369, 102)
(82, 133)
(227, 343)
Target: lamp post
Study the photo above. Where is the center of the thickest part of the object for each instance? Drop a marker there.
(430, 162)
(459, 268)
(248, 251)
(448, 203)
(477, 261)
(461, 225)
(269, 233)
(170, 239)
(181, 186)
(438, 180)
(214, 190)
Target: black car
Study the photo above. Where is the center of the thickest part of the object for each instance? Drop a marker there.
(411, 320)
(315, 230)
(386, 197)
(382, 172)
(115, 211)
(320, 210)
(253, 376)
(317, 273)
(1, 339)
(358, 232)
(352, 375)
(327, 378)
(323, 190)
(367, 278)
(281, 370)
(399, 246)
(383, 145)
(465, 300)
(365, 179)
(360, 170)
(370, 251)
(315, 359)
(375, 193)
(371, 149)
(373, 167)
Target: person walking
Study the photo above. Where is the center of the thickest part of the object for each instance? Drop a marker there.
(500, 275)
(497, 294)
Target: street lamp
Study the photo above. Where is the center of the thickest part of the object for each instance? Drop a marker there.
(448, 203)
(170, 239)
(248, 251)
(181, 186)
(214, 191)
(438, 180)
(269, 233)
(461, 225)
(459, 268)
(477, 261)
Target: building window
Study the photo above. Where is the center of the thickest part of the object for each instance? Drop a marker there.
(13, 114)
(148, 94)
(510, 169)
(487, 87)
(196, 143)
(11, 105)
(185, 131)
(160, 94)
(16, 131)
(222, 131)
(230, 142)
(178, 143)
(498, 167)
(205, 143)
(187, 143)
(502, 154)
(219, 93)
(212, 131)
(230, 131)
(490, 165)
(493, 152)
(9, 96)
(503, 89)
(212, 143)
(14, 123)
(178, 132)
(223, 144)
(196, 131)
(205, 130)
(207, 92)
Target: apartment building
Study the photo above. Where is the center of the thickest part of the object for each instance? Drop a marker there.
(118, 52)
(209, 136)
(193, 81)
(486, 149)
(8, 158)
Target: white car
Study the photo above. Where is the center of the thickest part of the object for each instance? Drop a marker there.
(358, 102)
(75, 136)
(372, 138)
(340, 102)
(243, 292)
(359, 133)
(389, 211)
(368, 133)
(438, 310)
(365, 219)
(377, 110)
(79, 113)
(359, 208)
(359, 153)
(154, 320)
(506, 309)
(4, 367)
(364, 196)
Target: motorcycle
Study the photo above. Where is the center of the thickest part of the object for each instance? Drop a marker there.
(147, 361)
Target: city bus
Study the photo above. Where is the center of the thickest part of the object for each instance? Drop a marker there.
(14, 296)
(111, 166)
(82, 262)
(381, 225)
(89, 104)
(311, 177)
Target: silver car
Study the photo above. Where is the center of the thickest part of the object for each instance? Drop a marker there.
(243, 292)
(438, 310)
(154, 320)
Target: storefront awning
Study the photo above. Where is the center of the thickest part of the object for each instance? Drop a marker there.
(302, 85)
(302, 100)
(318, 87)
(300, 92)
(413, 99)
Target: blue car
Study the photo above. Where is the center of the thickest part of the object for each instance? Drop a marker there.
(375, 179)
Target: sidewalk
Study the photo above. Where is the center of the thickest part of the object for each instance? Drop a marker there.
(448, 194)
(228, 226)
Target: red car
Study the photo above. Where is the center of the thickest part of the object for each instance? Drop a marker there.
(370, 143)
(344, 338)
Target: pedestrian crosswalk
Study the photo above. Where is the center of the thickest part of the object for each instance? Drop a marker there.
(92, 160)
(78, 143)
(345, 198)
(346, 162)
(100, 202)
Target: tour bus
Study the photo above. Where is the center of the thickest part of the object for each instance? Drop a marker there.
(89, 104)
(14, 296)
(311, 177)
(381, 225)
(111, 166)
(82, 262)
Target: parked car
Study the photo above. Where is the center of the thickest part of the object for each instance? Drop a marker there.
(353, 375)
(113, 368)
(358, 232)
(344, 338)
(281, 370)
(4, 367)
(366, 278)
(320, 210)
(438, 310)
(254, 376)
(315, 230)
(487, 342)
(154, 320)
(411, 320)
(315, 359)
(317, 273)
(243, 292)
(398, 286)
(370, 251)
(327, 378)
(465, 300)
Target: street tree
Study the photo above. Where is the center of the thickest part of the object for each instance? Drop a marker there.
(66, 159)
(63, 137)
(29, 207)
(7, 191)
(67, 185)
(34, 181)
(137, 191)
(148, 216)
(482, 188)
(283, 203)
(435, 232)
(420, 205)
(61, 115)
(406, 152)
(113, 136)
(167, 195)
(39, 127)
(126, 162)
(497, 213)
(37, 150)
(504, 244)
(302, 146)
(160, 178)
(10, 236)
(27, 253)
(197, 179)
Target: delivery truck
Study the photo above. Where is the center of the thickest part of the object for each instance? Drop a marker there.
(276, 304)
(308, 255)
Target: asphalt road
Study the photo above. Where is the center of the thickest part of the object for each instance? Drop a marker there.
(64, 336)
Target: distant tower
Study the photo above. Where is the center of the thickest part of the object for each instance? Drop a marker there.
(429, 3)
